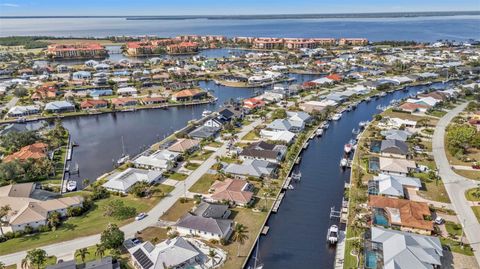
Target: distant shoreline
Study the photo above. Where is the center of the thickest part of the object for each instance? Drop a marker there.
(267, 16)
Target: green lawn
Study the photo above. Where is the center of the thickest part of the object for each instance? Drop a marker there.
(92, 222)
(434, 190)
(454, 228)
(476, 211)
(215, 144)
(178, 176)
(471, 174)
(456, 247)
(202, 156)
(180, 208)
(203, 184)
(252, 135)
(192, 166)
(470, 194)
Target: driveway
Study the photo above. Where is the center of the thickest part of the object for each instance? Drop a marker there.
(181, 189)
(456, 185)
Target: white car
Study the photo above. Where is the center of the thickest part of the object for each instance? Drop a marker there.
(439, 220)
(141, 216)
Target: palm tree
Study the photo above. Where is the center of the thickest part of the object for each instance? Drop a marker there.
(4, 210)
(36, 257)
(212, 254)
(240, 235)
(100, 250)
(53, 220)
(82, 253)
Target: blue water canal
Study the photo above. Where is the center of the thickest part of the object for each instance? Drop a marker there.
(297, 235)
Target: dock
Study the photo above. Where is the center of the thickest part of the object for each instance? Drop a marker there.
(340, 251)
(265, 230)
(278, 202)
(286, 183)
(298, 159)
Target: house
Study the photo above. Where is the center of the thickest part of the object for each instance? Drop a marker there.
(32, 207)
(153, 100)
(162, 160)
(81, 75)
(400, 135)
(402, 250)
(312, 106)
(286, 125)
(124, 101)
(204, 132)
(206, 228)
(127, 91)
(394, 148)
(253, 103)
(264, 151)
(254, 168)
(397, 123)
(93, 104)
(171, 253)
(408, 216)
(209, 210)
(231, 112)
(299, 118)
(392, 185)
(103, 263)
(189, 95)
(59, 107)
(21, 111)
(236, 191)
(34, 151)
(396, 166)
(214, 122)
(123, 181)
(20, 128)
(413, 107)
(284, 136)
(184, 145)
(100, 92)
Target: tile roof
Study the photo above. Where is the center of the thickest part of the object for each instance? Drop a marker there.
(34, 151)
(231, 190)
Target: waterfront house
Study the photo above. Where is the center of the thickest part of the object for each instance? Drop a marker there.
(161, 160)
(171, 253)
(93, 104)
(21, 111)
(215, 122)
(127, 91)
(264, 151)
(235, 191)
(206, 228)
(312, 106)
(253, 103)
(408, 216)
(210, 210)
(124, 101)
(398, 123)
(184, 145)
(394, 148)
(59, 107)
(393, 185)
(153, 100)
(284, 136)
(253, 168)
(396, 166)
(394, 134)
(204, 132)
(96, 93)
(413, 107)
(299, 118)
(189, 95)
(31, 207)
(123, 181)
(385, 248)
(76, 51)
(37, 150)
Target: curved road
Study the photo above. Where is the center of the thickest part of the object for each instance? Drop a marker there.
(455, 184)
(68, 247)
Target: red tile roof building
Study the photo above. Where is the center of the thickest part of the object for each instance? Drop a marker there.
(253, 103)
(182, 48)
(237, 191)
(145, 47)
(352, 41)
(93, 104)
(34, 151)
(81, 50)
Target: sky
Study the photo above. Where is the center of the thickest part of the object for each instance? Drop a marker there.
(223, 7)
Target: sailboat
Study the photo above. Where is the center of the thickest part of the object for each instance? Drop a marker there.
(125, 157)
(256, 265)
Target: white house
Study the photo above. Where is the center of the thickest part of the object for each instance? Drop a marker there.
(123, 181)
(127, 91)
(19, 111)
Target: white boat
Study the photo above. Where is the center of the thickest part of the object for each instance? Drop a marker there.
(362, 124)
(125, 157)
(383, 94)
(319, 132)
(326, 126)
(206, 113)
(71, 185)
(344, 162)
(355, 132)
(367, 99)
(290, 187)
(347, 148)
(336, 116)
(332, 234)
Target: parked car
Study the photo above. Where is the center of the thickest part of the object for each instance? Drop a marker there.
(476, 166)
(141, 216)
(439, 220)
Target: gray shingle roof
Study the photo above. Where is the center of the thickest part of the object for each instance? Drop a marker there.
(209, 225)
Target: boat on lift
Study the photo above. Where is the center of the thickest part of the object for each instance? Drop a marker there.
(347, 148)
(355, 132)
(336, 116)
(206, 113)
(332, 235)
(319, 132)
(344, 162)
(290, 187)
(362, 124)
(368, 99)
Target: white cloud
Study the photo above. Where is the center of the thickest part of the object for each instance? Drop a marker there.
(9, 5)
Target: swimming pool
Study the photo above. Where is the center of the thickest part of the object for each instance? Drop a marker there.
(379, 218)
(370, 260)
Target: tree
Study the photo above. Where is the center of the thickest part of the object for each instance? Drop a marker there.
(20, 92)
(459, 138)
(112, 237)
(100, 250)
(4, 210)
(53, 220)
(82, 253)
(34, 257)
(279, 114)
(212, 254)
(240, 235)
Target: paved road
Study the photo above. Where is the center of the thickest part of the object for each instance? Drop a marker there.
(10, 104)
(68, 247)
(456, 185)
